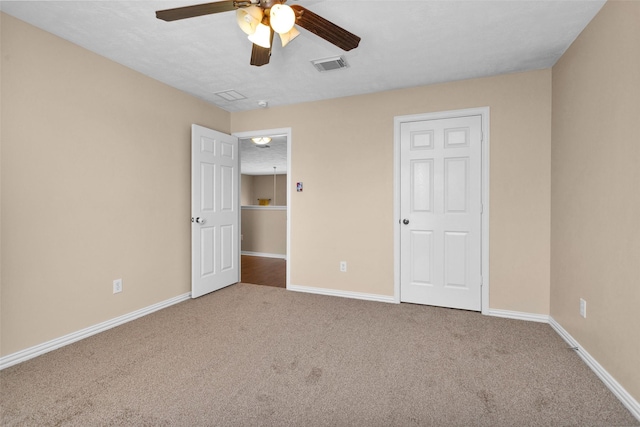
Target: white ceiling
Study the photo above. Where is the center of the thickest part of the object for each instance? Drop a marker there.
(404, 44)
(261, 159)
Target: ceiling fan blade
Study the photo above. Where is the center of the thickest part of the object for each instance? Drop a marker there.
(196, 10)
(325, 29)
(260, 55)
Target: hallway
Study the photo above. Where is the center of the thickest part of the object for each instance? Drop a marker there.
(263, 271)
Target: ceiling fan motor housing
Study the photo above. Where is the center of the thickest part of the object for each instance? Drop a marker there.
(267, 4)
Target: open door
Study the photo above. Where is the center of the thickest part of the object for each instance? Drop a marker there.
(215, 213)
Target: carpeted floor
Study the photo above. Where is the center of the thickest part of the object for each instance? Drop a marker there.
(256, 355)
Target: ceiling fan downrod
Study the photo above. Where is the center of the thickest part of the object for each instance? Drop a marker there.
(268, 4)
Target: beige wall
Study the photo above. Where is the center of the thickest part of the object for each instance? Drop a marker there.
(246, 190)
(95, 186)
(346, 209)
(264, 230)
(263, 189)
(256, 187)
(595, 201)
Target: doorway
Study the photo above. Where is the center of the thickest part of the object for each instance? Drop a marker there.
(441, 209)
(265, 189)
(265, 271)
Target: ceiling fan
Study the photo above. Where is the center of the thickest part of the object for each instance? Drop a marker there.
(260, 19)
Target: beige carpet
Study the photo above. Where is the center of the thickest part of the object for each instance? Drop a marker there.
(255, 355)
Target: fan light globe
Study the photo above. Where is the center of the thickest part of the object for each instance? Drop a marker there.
(282, 18)
(262, 36)
(249, 18)
(285, 38)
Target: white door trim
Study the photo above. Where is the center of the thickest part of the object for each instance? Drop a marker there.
(273, 132)
(483, 112)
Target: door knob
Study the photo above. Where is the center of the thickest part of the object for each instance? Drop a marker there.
(200, 220)
(405, 221)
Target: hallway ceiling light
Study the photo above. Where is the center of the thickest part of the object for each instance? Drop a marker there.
(261, 140)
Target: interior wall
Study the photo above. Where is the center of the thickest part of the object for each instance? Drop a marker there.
(246, 190)
(1, 62)
(263, 189)
(264, 230)
(256, 187)
(595, 245)
(345, 212)
(95, 186)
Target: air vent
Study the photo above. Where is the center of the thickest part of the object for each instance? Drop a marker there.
(230, 95)
(330, 64)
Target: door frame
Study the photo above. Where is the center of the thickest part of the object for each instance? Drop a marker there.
(270, 132)
(483, 112)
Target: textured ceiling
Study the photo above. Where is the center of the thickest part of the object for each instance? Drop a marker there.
(404, 44)
(260, 160)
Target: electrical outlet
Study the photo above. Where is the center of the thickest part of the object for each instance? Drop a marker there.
(117, 286)
(583, 308)
(343, 266)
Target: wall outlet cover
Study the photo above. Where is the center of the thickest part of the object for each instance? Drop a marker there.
(583, 308)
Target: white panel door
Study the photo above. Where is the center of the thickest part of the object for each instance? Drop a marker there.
(440, 208)
(215, 210)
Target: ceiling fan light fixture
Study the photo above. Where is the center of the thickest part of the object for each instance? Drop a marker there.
(262, 36)
(285, 38)
(261, 140)
(282, 18)
(249, 18)
(260, 26)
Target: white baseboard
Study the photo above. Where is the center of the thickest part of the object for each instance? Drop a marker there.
(627, 400)
(30, 353)
(344, 294)
(262, 254)
(518, 315)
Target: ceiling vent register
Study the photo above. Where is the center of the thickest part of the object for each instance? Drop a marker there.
(330, 64)
(230, 95)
